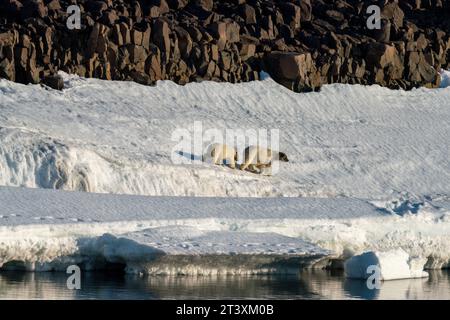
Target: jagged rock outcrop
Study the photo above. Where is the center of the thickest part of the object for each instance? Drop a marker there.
(303, 44)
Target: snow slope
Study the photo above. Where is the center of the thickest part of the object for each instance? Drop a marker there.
(115, 137)
(48, 229)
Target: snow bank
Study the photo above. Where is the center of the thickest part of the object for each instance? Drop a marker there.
(115, 137)
(395, 264)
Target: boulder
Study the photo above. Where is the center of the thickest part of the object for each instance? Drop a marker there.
(184, 42)
(248, 13)
(7, 69)
(393, 12)
(96, 7)
(383, 34)
(291, 15)
(54, 81)
(137, 53)
(306, 10)
(225, 32)
(162, 6)
(385, 57)
(206, 5)
(33, 8)
(161, 37)
(54, 5)
(153, 64)
(177, 4)
(12, 7)
(292, 69)
(9, 38)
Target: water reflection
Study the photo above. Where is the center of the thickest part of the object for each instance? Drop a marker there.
(307, 285)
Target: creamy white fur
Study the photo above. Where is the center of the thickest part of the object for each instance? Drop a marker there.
(256, 157)
(220, 154)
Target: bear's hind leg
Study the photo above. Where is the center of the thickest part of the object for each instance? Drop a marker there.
(217, 158)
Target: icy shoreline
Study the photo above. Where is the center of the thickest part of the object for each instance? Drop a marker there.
(48, 230)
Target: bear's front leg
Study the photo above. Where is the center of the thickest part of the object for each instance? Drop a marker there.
(232, 164)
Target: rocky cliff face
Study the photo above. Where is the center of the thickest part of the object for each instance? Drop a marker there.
(303, 44)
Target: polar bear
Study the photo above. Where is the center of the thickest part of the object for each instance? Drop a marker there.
(221, 154)
(256, 158)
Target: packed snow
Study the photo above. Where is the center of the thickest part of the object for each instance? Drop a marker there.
(368, 171)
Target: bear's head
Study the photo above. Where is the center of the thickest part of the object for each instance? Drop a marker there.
(283, 157)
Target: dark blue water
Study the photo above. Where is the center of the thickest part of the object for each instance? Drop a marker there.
(307, 285)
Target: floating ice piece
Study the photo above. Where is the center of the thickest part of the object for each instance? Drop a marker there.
(393, 264)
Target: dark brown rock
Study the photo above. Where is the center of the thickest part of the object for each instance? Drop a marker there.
(177, 4)
(305, 10)
(109, 18)
(225, 32)
(385, 59)
(96, 7)
(393, 12)
(206, 5)
(248, 13)
(33, 8)
(230, 40)
(161, 37)
(287, 67)
(291, 15)
(7, 69)
(384, 34)
(184, 42)
(54, 5)
(137, 53)
(8, 38)
(54, 81)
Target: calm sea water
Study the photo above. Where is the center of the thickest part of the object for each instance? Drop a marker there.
(307, 285)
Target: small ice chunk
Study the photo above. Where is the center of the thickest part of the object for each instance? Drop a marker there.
(393, 264)
(445, 79)
(264, 75)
